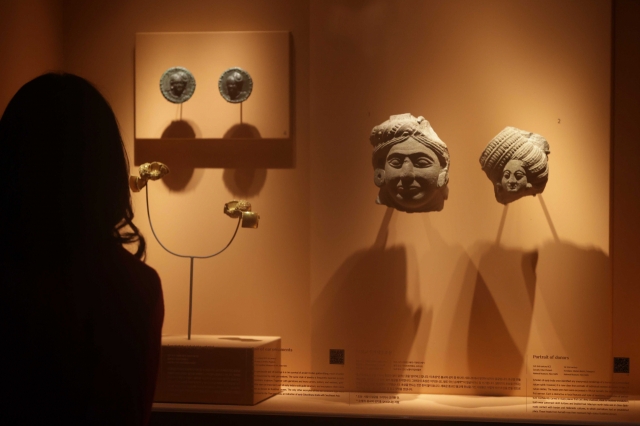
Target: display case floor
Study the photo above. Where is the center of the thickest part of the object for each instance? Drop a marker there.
(433, 407)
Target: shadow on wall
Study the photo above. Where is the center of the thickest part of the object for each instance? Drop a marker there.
(242, 131)
(181, 170)
(246, 181)
(576, 293)
(242, 152)
(501, 312)
(450, 285)
(363, 309)
(561, 290)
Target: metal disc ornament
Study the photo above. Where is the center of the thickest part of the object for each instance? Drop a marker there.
(235, 85)
(177, 85)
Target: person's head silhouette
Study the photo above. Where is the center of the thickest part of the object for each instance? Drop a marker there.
(63, 170)
(84, 315)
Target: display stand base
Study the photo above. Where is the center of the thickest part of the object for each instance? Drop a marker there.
(240, 370)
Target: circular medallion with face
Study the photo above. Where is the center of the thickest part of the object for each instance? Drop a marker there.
(177, 85)
(235, 85)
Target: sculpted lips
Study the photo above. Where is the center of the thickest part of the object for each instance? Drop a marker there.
(410, 190)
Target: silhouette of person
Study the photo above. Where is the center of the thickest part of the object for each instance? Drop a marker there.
(81, 316)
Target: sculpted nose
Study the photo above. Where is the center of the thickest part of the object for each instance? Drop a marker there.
(406, 173)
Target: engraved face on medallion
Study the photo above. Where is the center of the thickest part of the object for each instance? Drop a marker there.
(177, 85)
(235, 85)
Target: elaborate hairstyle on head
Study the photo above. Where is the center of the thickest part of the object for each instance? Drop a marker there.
(237, 78)
(515, 144)
(180, 75)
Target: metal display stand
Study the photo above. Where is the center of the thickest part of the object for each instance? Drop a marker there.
(190, 257)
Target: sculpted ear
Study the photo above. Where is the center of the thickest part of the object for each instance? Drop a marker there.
(529, 186)
(443, 178)
(378, 177)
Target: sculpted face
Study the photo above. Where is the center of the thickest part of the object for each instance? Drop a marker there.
(411, 174)
(233, 87)
(514, 177)
(177, 85)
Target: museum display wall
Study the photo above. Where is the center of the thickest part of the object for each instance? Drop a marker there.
(449, 288)
(474, 290)
(31, 42)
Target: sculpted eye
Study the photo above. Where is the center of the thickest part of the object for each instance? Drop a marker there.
(506, 174)
(395, 162)
(423, 162)
(519, 175)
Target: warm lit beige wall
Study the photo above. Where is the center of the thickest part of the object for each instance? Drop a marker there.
(260, 285)
(30, 42)
(442, 288)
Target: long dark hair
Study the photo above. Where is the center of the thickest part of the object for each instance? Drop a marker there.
(63, 170)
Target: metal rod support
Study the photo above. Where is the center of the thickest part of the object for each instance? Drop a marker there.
(190, 298)
(191, 257)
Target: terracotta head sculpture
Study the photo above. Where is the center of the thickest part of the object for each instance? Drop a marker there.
(516, 163)
(411, 164)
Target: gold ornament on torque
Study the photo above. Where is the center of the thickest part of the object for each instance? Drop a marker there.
(148, 171)
(240, 208)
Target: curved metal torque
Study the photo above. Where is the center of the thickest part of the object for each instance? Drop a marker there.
(183, 255)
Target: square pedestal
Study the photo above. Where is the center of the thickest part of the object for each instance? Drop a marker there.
(241, 370)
